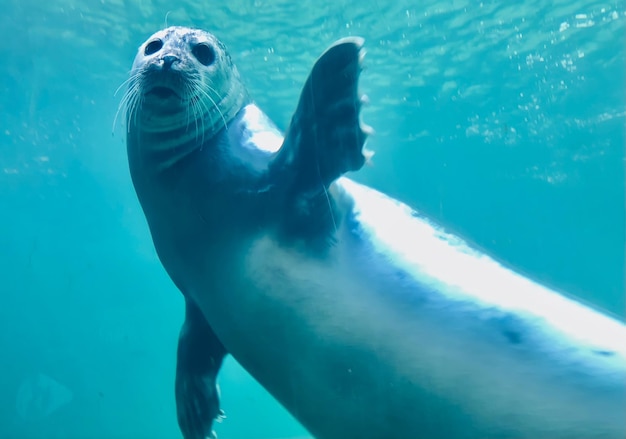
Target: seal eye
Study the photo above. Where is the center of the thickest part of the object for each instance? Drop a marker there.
(153, 47)
(204, 54)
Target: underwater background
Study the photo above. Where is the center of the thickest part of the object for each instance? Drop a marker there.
(503, 121)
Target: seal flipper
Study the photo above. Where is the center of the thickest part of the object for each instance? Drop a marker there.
(325, 138)
(199, 358)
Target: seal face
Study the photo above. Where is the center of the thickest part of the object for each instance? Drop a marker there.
(358, 314)
(183, 87)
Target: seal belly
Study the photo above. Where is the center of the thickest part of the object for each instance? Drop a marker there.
(402, 331)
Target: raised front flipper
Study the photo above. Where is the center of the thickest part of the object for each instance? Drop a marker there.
(325, 138)
(200, 355)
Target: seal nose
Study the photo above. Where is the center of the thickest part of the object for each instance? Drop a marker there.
(169, 60)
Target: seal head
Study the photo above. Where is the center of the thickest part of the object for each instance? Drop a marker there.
(182, 90)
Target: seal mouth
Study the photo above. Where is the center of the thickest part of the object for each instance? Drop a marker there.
(162, 92)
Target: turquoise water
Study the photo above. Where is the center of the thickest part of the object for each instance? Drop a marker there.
(504, 123)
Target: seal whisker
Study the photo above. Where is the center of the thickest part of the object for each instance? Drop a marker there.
(202, 105)
(123, 103)
(133, 76)
(132, 101)
(167, 15)
(191, 108)
(199, 105)
(213, 101)
(207, 94)
(209, 85)
(204, 109)
(130, 94)
(196, 106)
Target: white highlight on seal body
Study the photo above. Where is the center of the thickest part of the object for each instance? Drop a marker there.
(402, 330)
(257, 138)
(428, 252)
(261, 134)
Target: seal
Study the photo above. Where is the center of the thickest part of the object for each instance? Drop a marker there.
(357, 313)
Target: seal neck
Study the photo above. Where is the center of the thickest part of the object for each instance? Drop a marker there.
(161, 139)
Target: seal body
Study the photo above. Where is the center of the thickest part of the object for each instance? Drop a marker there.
(362, 317)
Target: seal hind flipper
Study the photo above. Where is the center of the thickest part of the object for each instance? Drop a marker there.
(325, 137)
(199, 358)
